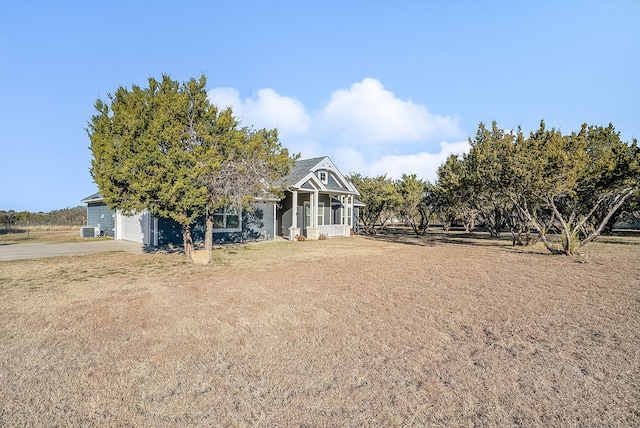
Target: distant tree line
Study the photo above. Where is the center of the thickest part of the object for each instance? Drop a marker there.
(572, 186)
(63, 217)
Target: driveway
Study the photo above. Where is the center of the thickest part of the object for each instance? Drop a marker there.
(35, 251)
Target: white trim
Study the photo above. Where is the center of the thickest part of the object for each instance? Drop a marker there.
(325, 165)
(92, 201)
(328, 165)
(310, 177)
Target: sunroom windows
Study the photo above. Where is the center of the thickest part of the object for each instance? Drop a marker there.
(319, 214)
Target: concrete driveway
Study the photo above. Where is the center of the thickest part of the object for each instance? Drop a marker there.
(10, 252)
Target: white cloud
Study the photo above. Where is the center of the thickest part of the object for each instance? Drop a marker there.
(367, 113)
(268, 110)
(350, 160)
(424, 165)
(365, 128)
(226, 97)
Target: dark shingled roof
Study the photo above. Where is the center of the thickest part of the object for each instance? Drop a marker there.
(299, 171)
(93, 198)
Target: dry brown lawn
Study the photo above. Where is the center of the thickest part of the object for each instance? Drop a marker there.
(44, 234)
(391, 331)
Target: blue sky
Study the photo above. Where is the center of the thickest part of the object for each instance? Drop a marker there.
(381, 87)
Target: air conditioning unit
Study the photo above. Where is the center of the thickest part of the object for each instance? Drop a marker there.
(87, 232)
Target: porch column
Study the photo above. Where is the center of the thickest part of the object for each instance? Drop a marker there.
(345, 201)
(294, 230)
(316, 197)
(275, 220)
(348, 204)
(294, 209)
(351, 203)
(311, 195)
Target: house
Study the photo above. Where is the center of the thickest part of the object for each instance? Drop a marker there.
(318, 200)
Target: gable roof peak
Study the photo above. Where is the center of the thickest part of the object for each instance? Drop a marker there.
(306, 169)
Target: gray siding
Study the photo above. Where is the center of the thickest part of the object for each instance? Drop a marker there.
(257, 224)
(333, 184)
(285, 218)
(268, 219)
(99, 214)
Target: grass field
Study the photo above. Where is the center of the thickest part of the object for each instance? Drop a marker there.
(42, 234)
(393, 331)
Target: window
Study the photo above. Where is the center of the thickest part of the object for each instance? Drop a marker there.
(320, 213)
(323, 176)
(227, 219)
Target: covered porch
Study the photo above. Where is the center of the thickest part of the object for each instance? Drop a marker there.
(318, 213)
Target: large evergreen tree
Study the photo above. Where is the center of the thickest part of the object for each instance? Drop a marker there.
(380, 198)
(487, 166)
(143, 151)
(237, 165)
(454, 193)
(577, 182)
(569, 185)
(416, 205)
(167, 149)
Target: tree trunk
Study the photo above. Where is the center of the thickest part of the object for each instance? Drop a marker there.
(616, 205)
(524, 210)
(494, 219)
(543, 237)
(568, 241)
(469, 220)
(571, 237)
(367, 226)
(187, 241)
